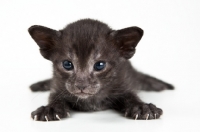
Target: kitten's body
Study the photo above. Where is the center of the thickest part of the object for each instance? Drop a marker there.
(85, 43)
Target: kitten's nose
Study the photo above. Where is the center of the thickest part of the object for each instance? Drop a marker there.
(81, 87)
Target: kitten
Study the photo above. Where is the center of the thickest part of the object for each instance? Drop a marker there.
(91, 71)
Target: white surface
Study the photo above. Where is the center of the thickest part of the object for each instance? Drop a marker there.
(169, 50)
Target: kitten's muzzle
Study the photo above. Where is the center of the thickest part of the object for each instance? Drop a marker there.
(81, 87)
(83, 91)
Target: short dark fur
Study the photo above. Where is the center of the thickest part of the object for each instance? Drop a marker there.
(83, 43)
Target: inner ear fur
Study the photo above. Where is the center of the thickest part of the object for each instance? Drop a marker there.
(126, 40)
(46, 38)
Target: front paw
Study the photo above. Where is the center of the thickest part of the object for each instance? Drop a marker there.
(143, 112)
(49, 113)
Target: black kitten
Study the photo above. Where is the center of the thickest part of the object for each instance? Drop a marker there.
(91, 71)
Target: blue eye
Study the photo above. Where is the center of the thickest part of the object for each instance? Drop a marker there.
(99, 65)
(68, 65)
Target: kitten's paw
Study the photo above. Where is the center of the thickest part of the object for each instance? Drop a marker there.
(144, 112)
(48, 113)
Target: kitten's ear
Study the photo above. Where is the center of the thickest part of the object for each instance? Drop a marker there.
(126, 40)
(46, 38)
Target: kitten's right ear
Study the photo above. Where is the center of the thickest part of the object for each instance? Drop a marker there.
(46, 38)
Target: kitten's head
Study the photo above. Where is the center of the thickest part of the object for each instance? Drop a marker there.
(87, 54)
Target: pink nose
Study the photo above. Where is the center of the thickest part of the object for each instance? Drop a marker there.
(81, 87)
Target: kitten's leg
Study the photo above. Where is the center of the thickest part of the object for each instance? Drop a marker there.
(153, 84)
(132, 107)
(55, 110)
(41, 86)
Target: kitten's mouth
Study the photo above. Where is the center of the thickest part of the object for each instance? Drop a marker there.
(83, 95)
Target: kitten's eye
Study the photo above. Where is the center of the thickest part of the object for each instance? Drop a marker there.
(68, 65)
(99, 65)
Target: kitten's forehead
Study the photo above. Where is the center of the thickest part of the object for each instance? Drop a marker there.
(85, 39)
(83, 53)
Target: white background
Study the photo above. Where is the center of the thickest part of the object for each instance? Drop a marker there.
(169, 50)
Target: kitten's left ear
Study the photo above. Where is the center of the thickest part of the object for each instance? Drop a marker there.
(126, 40)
